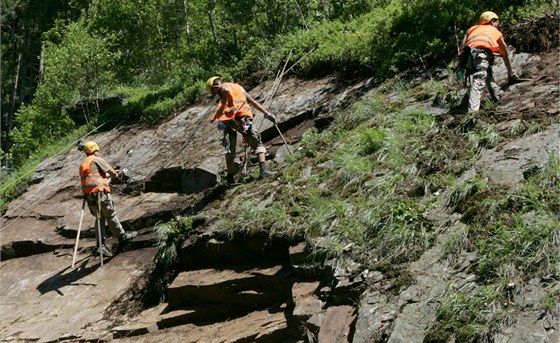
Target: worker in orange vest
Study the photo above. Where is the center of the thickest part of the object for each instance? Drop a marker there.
(484, 40)
(94, 176)
(234, 114)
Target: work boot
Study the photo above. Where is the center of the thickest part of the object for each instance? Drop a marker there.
(265, 172)
(104, 251)
(125, 237)
(231, 181)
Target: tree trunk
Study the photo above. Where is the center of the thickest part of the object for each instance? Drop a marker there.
(187, 22)
(41, 63)
(15, 85)
(211, 22)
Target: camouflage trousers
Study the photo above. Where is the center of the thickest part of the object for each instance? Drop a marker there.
(107, 214)
(249, 133)
(483, 77)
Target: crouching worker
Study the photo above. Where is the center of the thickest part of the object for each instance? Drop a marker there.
(234, 114)
(94, 176)
(485, 40)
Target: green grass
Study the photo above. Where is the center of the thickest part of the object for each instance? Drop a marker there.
(485, 136)
(357, 190)
(460, 192)
(514, 235)
(471, 315)
(350, 184)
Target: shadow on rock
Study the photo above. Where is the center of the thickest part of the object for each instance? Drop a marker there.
(69, 276)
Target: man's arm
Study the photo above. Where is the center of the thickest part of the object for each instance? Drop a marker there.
(259, 107)
(105, 168)
(504, 52)
(255, 103)
(225, 96)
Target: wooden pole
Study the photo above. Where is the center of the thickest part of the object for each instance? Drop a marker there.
(78, 234)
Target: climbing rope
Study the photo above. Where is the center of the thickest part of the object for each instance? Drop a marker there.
(64, 171)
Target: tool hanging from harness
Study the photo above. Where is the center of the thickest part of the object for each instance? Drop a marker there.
(480, 39)
(465, 65)
(247, 125)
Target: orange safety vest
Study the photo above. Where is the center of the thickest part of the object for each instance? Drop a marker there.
(484, 37)
(234, 107)
(92, 182)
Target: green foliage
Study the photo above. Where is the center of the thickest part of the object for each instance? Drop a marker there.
(252, 218)
(356, 44)
(369, 107)
(160, 45)
(434, 87)
(516, 240)
(551, 301)
(14, 184)
(348, 157)
(314, 141)
(396, 229)
(36, 129)
(459, 193)
(412, 121)
(77, 67)
(140, 36)
(365, 201)
(484, 137)
(151, 106)
(80, 66)
(524, 242)
(371, 140)
(470, 315)
(519, 245)
(170, 235)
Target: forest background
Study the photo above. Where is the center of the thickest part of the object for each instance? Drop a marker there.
(61, 61)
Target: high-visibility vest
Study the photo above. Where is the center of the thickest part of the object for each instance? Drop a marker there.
(484, 37)
(235, 107)
(92, 181)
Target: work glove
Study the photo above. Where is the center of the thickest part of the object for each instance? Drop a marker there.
(270, 117)
(221, 125)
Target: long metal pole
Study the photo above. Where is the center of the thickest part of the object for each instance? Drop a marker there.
(281, 136)
(98, 223)
(78, 234)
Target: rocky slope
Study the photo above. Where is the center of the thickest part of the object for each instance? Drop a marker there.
(245, 288)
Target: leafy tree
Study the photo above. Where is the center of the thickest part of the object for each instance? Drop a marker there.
(77, 67)
(22, 24)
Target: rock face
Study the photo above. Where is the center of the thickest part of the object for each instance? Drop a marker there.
(44, 300)
(511, 162)
(243, 288)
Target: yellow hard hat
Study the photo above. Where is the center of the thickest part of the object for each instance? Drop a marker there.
(210, 81)
(90, 147)
(487, 17)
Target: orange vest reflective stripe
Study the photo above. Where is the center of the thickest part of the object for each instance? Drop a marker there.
(236, 106)
(92, 182)
(484, 37)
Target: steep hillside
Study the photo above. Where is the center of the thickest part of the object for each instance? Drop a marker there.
(372, 229)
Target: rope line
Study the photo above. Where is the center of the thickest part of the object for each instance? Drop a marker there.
(4, 187)
(64, 171)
